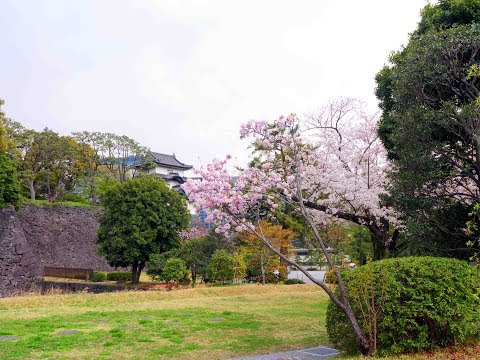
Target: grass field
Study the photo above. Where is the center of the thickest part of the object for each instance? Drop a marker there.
(164, 325)
(180, 324)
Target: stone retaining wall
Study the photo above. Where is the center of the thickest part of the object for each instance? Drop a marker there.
(63, 236)
(20, 269)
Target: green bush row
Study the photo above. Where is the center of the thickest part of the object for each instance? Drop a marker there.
(293, 281)
(99, 276)
(112, 276)
(415, 303)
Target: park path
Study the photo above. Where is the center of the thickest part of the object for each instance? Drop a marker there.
(317, 353)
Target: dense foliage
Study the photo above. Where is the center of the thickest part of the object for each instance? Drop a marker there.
(410, 304)
(220, 269)
(174, 270)
(57, 167)
(9, 185)
(197, 252)
(430, 126)
(142, 217)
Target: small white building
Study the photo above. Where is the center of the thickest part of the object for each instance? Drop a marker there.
(173, 171)
(170, 169)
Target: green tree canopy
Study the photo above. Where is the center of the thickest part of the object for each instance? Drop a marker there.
(9, 185)
(142, 217)
(430, 126)
(220, 269)
(197, 253)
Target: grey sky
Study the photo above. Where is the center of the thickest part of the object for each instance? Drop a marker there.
(181, 76)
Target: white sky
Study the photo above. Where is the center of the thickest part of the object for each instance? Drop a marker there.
(181, 76)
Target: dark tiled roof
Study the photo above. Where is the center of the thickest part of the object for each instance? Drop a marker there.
(169, 161)
(173, 177)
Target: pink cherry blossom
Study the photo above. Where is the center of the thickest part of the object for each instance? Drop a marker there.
(334, 158)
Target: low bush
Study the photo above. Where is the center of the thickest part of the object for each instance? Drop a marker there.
(99, 276)
(73, 198)
(174, 270)
(409, 304)
(119, 276)
(330, 277)
(220, 268)
(293, 281)
(157, 262)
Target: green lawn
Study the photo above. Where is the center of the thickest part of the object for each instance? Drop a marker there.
(164, 325)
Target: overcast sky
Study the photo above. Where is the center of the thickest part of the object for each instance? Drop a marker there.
(181, 76)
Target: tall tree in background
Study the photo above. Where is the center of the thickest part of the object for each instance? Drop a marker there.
(430, 126)
(50, 164)
(4, 141)
(91, 144)
(121, 154)
(9, 185)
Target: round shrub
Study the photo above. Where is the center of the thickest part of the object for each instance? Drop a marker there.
(155, 265)
(415, 303)
(99, 276)
(293, 281)
(220, 269)
(174, 270)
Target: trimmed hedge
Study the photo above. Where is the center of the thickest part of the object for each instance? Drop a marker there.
(424, 302)
(293, 281)
(119, 276)
(99, 276)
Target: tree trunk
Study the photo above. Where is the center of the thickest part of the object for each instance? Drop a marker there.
(136, 273)
(262, 269)
(31, 186)
(140, 267)
(362, 342)
(380, 250)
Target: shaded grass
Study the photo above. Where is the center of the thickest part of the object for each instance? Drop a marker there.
(37, 202)
(137, 325)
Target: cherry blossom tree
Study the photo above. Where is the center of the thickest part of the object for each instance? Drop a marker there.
(354, 168)
(327, 168)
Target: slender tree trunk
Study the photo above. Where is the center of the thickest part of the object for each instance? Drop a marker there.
(31, 186)
(262, 269)
(362, 342)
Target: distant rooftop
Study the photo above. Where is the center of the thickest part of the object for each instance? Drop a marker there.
(169, 161)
